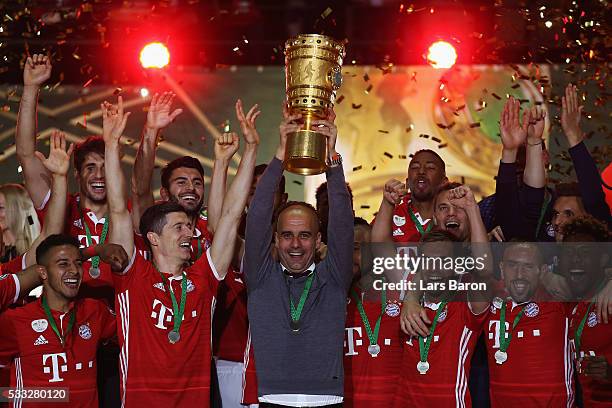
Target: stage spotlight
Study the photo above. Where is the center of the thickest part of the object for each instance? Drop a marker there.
(441, 55)
(144, 92)
(154, 55)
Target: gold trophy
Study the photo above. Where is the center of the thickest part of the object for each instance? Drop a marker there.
(313, 75)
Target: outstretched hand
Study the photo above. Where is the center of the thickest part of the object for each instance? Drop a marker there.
(159, 115)
(58, 161)
(571, 111)
(113, 121)
(513, 133)
(289, 124)
(37, 70)
(247, 122)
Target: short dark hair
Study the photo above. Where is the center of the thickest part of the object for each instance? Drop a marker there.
(322, 189)
(51, 242)
(518, 242)
(567, 190)
(154, 218)
(439, 235)
(442, 163)
(93, 144)
(185, 161)
(259, 170)
(587, 225)
(302, 204)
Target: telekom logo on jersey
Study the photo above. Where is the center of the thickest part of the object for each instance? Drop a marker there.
(162, 315)
(57, 363)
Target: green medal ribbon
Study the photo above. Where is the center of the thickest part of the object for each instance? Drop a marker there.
(417, 223)
(503, 342)
(425, 345)
(372, 336)
(51, 320)
(580, 329)
(178, 310)
(95, 261)
(199, 248)
(547, 198)
(297, 312)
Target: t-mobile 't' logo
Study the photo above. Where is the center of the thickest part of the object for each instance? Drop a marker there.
(55, 365)
(164, 315)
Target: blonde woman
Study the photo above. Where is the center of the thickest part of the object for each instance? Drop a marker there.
(18, 220)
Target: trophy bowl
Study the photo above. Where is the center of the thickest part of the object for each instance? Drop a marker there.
(312, 76)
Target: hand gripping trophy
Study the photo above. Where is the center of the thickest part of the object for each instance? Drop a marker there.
(313, 75)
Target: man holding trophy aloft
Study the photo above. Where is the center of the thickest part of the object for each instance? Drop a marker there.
(297, 307)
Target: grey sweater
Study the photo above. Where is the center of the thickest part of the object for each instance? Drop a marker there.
(309, 361)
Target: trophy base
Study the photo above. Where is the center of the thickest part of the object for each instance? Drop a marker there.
(306, 153)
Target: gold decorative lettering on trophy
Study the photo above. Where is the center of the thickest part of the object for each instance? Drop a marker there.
(313, 76)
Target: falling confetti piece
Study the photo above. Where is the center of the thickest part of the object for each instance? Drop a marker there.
(402, 156)
(389, 155)
(326, 12)
(88, 83)
(441, 126)
(383, 131)
(516, 86)
(496, 96)
(357, 168)
(366, 77)
(475, 125)
(424, 136)
(369, 88)
(355, 106)
(340, 99)
(299, 183)
(442, 146)
(364, 206)
(435, 139)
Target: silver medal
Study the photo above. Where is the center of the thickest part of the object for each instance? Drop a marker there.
(500, 356)
(94, 272)
(174, 337)
(295, 325)
(422, 367)
(373, 349)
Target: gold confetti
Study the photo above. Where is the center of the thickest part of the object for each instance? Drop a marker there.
(326, 12)
(365, 206)
(496, 96)
(435, 139)
(298, 182)
(355, 106)
(357, 168)
(424, 136)
(340, 99)
(442, 146)
(369, 88)
(475, 125)
(389, 155)
(383, 131)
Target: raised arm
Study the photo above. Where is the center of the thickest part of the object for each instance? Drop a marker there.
(589, 180)
(535, 174)
(158, 118)
(57, 164)
(258, 234)
(513, 135)
(226, 232)
(382, 230)
(113, 124)
(37, 179)
(340, 230)
(463, 197)
(223, 155)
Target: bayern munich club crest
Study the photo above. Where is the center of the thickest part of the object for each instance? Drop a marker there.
(592, 319)
(190, 286)
(392, 309)
(85, 332)
(532, 310)
(443, 315)
(40, 325)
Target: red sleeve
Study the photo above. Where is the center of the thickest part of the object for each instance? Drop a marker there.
(108, 322)
(137, 264)
(15, 265)
(9, 291)
(9, 343)
(205, 267)
(474, 322)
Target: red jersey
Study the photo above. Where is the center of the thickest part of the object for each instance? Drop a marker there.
(38, 359)
(15, 265)
(154, 372)
(404, 227)
(100, 287)
(372, 381)
(596, 340)
(202, 239)
(445, 384)
(249, 375)
(9, 290)
(538, 371)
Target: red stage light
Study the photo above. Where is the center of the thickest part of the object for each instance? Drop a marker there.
(441, 55)
(154, 55)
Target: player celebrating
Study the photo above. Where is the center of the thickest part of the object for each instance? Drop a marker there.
(165, 309)
(436, 361)
(52, 342)
(582, 263)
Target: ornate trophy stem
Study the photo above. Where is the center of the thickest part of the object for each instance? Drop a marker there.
(313, 75)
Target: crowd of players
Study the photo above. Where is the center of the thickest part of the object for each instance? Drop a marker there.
(255, 299)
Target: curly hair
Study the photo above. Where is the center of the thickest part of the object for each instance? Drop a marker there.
(587, 225)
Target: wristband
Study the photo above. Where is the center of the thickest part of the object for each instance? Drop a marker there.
(535, 144)
(335, 160)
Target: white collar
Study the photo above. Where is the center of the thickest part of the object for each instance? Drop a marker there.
(309, 269)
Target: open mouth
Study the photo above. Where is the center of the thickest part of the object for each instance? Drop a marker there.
(421, 183)
(98, 187)
(71, 282)
(451, 225)
(295, 254)
(520, 285)
(577, 275)
(190, 198)
(185, 245)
